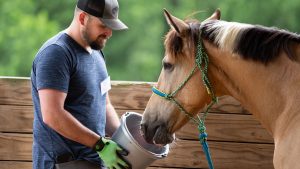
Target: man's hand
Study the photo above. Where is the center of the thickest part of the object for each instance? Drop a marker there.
(110, 153)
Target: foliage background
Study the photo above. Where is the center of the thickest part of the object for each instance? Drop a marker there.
(134, 54)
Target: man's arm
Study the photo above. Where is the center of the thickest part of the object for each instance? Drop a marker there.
(56, 117)
(112, 118)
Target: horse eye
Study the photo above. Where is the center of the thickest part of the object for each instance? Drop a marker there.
(167, 66)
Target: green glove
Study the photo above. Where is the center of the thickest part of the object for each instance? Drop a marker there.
(109, 151)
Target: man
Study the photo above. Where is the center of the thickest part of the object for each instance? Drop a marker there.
(69, 89)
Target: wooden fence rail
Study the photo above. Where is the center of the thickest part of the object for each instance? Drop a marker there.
(236, 139)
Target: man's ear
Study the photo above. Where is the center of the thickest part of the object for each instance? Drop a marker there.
(81, 17)
(179, 25)
(215, 16)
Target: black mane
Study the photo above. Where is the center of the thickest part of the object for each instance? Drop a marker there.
(257, 42)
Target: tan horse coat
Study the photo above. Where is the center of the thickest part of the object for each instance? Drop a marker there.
(272, 96)
(270, 92)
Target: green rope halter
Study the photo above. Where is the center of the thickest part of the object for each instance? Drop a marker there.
(201, 62)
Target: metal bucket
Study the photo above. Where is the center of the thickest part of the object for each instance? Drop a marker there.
(128, 135)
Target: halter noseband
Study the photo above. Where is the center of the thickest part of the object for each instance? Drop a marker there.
(201, 61)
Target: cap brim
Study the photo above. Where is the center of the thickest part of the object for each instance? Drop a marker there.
(114, 24)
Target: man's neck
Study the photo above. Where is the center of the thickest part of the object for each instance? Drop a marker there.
(74, 32)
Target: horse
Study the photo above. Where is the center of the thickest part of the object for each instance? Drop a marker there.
(257, 65)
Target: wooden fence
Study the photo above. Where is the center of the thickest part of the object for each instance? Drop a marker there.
(236, 139)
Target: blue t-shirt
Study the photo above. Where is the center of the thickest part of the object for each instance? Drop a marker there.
(62, 64)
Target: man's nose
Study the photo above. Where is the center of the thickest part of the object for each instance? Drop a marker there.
(108, 32)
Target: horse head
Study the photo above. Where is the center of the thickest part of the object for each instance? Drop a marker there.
(180, 78)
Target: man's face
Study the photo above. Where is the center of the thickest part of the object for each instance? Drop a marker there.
(95, 33)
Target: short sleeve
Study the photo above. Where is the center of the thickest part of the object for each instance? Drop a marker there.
(53, 69)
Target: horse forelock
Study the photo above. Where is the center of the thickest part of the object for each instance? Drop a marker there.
(254, 42)
(174, 43)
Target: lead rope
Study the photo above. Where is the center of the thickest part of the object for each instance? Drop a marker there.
(202, 58)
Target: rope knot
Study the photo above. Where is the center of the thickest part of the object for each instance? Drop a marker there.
(168, 97)
(202, 129)
(203, 137)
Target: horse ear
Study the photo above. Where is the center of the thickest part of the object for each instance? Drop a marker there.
(179, 25)
(215, 16)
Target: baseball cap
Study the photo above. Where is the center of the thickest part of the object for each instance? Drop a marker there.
(106, 10)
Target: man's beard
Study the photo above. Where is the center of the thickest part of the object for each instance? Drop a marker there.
(97, 44)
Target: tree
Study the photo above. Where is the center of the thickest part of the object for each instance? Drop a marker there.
(23, 35)
(134, 54)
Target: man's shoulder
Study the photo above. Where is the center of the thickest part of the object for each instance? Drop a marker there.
(57, 40)
(58, 45)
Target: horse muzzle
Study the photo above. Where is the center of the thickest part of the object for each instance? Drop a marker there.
(157, 133)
